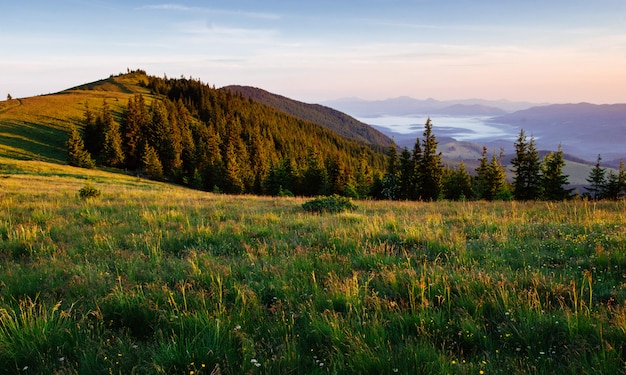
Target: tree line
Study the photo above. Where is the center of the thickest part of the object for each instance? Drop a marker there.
(215, 140)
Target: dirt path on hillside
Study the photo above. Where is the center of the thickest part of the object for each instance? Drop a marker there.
(11, 105)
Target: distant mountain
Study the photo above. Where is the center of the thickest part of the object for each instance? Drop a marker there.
(586, 129)
(329, 118)
(404, 105)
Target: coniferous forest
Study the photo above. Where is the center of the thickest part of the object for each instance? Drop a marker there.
(221, 141)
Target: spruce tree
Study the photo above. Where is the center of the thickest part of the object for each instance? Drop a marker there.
(430, 168)
(416, 183)
(552, 178)
(457, 183)
(135, 120)
(151, 164)
(597, 179)
(490, 177)
(111, 153)
(615, 185)
(77, 155)
(406, 174)
(389, 187)
(527, 167)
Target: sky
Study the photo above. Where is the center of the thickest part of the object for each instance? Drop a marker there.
(554, 51)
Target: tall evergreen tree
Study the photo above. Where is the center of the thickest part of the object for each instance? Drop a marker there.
(416, 182)
(552, 178)
(457, 183)
(93, 132)
(111, 153)
(527, 168)
(134, 120)
(615, 186)
(389, 188)
(77, 155)
(490, 177)
(151, 164)
(430, 168)
(406, 175)
(597, 180)
(315, 178)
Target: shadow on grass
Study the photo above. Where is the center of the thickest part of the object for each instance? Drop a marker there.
(26, 140)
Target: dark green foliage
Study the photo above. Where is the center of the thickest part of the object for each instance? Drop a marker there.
(89, 191)
(135, 120)
(597, 179)
(329, 118)
(111, 153)
(527, 169)
(490, 177)
(76, 154)
(553, 180)
(430, 167)
(615, 186)
(151, 163)
(457, 183)
(331, 204)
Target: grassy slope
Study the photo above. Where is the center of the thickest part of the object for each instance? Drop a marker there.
(152, 278)
(36, 127)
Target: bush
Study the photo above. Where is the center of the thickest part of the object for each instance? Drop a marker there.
(89, 191)
(333, 204)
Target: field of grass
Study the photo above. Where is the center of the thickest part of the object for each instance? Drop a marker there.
(152, 278)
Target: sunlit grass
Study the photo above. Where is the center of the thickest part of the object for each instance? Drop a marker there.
(152, 278)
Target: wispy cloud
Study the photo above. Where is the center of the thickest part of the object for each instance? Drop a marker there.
(185, 8)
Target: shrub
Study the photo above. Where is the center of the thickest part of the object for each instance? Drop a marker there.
(89, 191)
(333, 204)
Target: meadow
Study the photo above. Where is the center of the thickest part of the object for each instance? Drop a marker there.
(150, 278)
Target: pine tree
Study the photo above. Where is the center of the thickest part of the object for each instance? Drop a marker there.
(457, 183)
(527, 167)
(151, 164)
(93, 132)
(406, 175)
(416, 183)
(490, 177)
(597, 179)
(552, 178)
(134, 120)
(430, 168)
(77, 155)
(615, 185)
(389, 187)
(111, 153)
(315, 179)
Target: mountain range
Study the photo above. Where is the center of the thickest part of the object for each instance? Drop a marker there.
(584, 130)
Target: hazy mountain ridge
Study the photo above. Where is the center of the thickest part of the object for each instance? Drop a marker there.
(585, 129)
(404, 105)
(327, 117)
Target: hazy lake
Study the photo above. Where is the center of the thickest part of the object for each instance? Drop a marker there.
(460, 128)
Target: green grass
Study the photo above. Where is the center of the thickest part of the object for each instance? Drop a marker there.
(153, 278)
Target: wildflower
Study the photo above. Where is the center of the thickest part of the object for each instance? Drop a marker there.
(25, 368)
(237, 328)
(61, 359)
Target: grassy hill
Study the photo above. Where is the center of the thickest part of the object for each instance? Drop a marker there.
(36, 127)
(152, 278)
